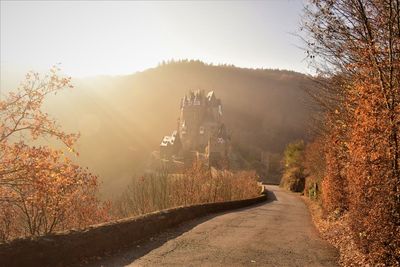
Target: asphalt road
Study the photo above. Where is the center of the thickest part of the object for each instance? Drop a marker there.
(276, 233)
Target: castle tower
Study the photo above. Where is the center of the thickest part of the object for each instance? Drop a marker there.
(200, 129)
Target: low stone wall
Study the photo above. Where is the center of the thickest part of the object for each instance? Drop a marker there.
(67, 247)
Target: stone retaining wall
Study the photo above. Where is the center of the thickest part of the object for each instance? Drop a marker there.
(67, 247)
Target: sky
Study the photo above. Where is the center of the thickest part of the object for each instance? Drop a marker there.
(121, 37)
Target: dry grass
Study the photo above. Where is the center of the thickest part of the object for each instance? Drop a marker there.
(197, 185)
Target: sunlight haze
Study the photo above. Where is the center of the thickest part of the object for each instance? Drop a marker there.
(112, 38)
(199, 133)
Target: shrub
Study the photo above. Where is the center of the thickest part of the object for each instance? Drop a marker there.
(293, 178)
(196, 185)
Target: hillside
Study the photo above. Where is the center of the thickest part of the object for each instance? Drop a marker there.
(123, 118)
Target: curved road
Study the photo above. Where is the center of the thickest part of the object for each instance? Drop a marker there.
(276, 233)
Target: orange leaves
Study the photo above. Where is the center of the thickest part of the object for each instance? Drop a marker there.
(361, 42)
(20, 111)
(40, 190)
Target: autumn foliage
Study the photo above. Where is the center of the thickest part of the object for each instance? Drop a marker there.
(41, 190)
(356, 45)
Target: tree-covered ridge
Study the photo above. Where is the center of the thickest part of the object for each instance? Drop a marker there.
(264, 108)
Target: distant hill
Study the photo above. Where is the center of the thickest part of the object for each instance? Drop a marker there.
(123, 118)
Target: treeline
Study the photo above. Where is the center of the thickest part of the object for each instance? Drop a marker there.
(177, 62)
(352, 166)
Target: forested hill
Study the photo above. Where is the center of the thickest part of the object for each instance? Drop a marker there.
(122, 119)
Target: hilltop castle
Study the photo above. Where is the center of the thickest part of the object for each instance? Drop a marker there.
(200, 133)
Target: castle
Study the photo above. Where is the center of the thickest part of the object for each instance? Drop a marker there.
(200, 133)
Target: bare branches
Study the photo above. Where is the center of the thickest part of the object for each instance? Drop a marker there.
(20, 111)
(40, 189)
(196, 185)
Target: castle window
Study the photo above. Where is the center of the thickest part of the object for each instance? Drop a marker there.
(201, 130)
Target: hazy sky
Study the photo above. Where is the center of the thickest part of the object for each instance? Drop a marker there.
(110, 37)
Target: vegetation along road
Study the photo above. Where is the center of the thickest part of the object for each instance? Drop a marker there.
(276, 233)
